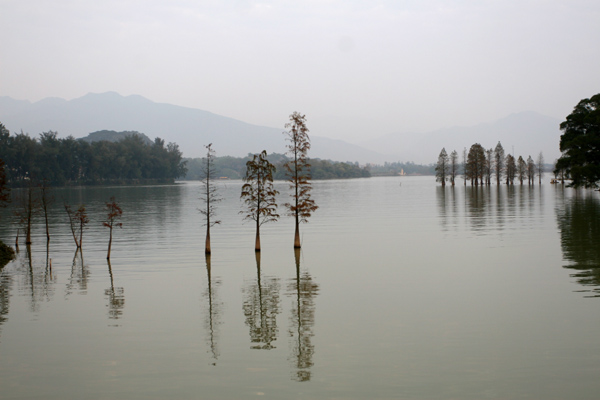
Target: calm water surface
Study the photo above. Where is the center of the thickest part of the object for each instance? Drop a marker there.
(403, 290)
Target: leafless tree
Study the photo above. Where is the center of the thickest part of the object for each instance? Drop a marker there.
(113, 216)
(210, 196)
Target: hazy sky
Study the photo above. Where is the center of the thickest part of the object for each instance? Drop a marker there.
(365, 67)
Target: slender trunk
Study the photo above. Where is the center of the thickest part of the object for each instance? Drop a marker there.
(80, 234)
(297, 243)
(257, 242)
(29, 216)
(109, 244)
(207, 243)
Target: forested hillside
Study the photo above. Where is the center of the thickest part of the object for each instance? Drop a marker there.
(55, 161)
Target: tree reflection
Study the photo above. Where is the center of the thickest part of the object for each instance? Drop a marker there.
(37, 283)
(116, 297)
(579, 224)
(261, 306)
(302, 320)
(214, 311)
(79, 275)
(5, 287)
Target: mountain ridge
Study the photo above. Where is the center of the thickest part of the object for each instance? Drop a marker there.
(192, 129)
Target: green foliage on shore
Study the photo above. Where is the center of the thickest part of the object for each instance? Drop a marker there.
(235, 168)
(69, 161)
(6, 254)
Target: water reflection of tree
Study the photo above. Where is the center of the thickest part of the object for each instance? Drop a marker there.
(304, 290)
(6, 281)
(37, 282)
(214, 311)
(261, 306)
(478, 199)
(579, 224)
(116, 297)
(79, 275)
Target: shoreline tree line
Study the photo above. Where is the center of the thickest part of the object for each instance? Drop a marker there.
(235, 168)
(72, 162)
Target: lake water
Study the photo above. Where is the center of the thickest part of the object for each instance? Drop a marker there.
(402, 290)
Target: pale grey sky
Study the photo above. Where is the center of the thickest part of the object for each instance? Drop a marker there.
(380, 66)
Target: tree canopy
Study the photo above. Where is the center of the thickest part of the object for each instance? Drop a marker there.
(70, 161)
(580, 143)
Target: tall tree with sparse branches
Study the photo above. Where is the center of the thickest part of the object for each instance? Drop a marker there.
(511, 169)
(521, 169)
(77, 221)
(298, 171)
(540, 167)
(114, 215)
(258, 193)
(209, 195)
(453, 167)
(498, 162)
(442, 167)
(530, 171)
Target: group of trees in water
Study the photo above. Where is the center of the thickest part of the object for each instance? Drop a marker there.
(258, 193)
(479, 165)
(579, 162)
(68, 161)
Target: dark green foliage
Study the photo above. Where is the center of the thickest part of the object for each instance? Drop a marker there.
(6, 254)
(69, 161)
(235, 168)
(113, 136)
(4, 189)
(580, 143)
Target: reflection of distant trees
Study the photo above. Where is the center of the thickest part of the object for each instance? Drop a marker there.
(261, 306)
(116, 297)
(579, 224)
(304, 291)
(213, 311)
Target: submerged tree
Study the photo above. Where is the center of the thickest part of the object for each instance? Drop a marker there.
(442, 167)
(209, 195)
(46, 199)
(298, 170)
(521, 169)
(499, 163)
(114, 214)
(27, 208)
(258, 193)
(489, 162)
(540, 167)
(511, 169)
(475, 166)
(77, 221)
(530, 171)
(453, 167)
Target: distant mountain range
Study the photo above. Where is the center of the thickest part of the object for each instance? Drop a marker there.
(191, 129)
